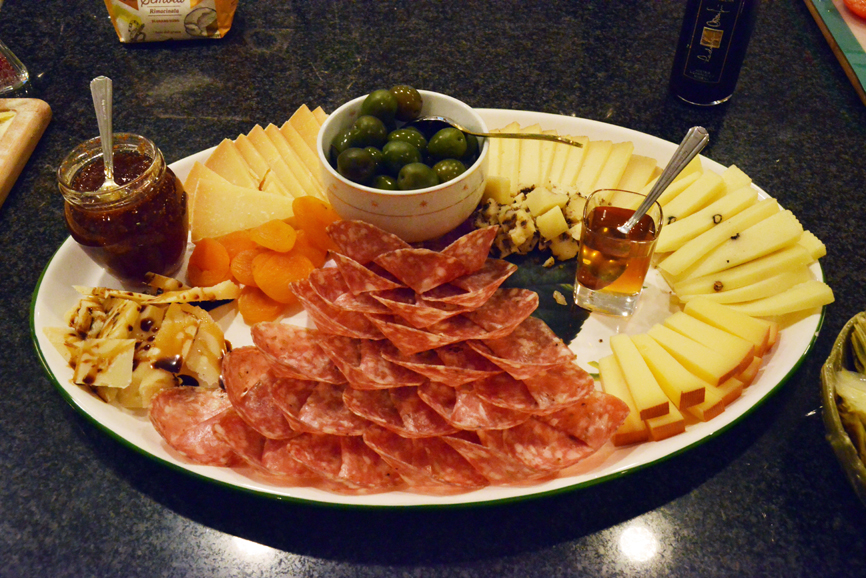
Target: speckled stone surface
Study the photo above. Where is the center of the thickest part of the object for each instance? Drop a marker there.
(765, 498)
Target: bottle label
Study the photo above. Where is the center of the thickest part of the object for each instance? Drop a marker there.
(710, 40)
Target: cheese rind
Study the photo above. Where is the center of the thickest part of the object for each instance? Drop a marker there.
(633, 429)
(682, 387)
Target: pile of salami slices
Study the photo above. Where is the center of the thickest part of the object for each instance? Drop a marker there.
(423, 374)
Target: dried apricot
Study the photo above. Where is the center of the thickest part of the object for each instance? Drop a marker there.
(274, 272)
(236, 242)
(313, 216)
(304, 247)
(254, 306)
(242, 265)
(209, 264)
(276, 235)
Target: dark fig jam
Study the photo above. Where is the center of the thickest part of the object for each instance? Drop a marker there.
(140, 226)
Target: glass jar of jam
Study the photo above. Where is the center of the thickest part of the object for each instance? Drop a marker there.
(138, 227)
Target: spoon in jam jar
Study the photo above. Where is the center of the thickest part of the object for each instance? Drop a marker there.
(101, 91)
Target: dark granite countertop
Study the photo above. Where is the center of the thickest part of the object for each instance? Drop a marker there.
(765, 498)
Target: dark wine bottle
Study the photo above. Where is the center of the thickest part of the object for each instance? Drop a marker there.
(711, 49)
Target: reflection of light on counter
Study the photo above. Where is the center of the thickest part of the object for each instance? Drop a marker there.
(638, 544)
(253, 551)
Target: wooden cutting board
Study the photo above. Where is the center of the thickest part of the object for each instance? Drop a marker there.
(18, 137)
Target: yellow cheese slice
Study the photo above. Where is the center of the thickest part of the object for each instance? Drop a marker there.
(597, 153)
(509, 164)
(275, 162)
(548, 151)
(221, 209)
(717, 339)
(300, 148)
(675, 235)
(807, 295)
(615, 165)
(637, 173)
(760, 289)
(735, 179)
(634, 429)
(228, 163)
(746, 274)
(812, 244)
(306, 124)
(772, 234)
(530, 159)
(748, 375)
(712, 406)
(706, 189)
(302, 174)
(494, 155)
(104, 362)
(722, 316)
(666, 426)
(320, 115)
(684, 257)
(254, 160)
(673, 190)
(682, 387)
(566, 163)
(646, 391)
(714, 367)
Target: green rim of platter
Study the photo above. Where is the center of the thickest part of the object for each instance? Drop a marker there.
(344, 506)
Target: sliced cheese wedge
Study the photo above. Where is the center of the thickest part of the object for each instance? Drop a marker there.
(706, 189)
(637, 173)
(596, 155)
(735, 179)
(615, 165)
(227, 162)
(666, 426)
(807, 295)
(682, 387)
(724, 317)
(714, 338)
(307, 180)
(277, 165)
(530, 159)
(675, 235)
(509, 163)
(308, 156)
(307, 125)
(758, 290)
(634, 429)
(548, 149)
(567, 163)
(714, 367)
(221, 209)
(648, 395)
(674, 189)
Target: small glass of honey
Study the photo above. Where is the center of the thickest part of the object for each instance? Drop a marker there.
(612, 266)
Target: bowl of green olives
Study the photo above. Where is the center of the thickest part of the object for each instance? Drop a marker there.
(418, 183)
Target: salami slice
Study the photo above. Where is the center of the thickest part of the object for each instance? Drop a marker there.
(421, 269)
(331, 319)
(539, 445)
(340, 460)
(472, 248)
(185, 417)
(427, 464)
(529, 350)
(419, 419)
(362, 241)
(362, 363)
(290, 395)
(246, 442)
(452, 365)
(465, 410)
(592, 420)
(495, 465)
(560, 386)
(325, 412)
(277, 461)
(459, 328)
(328, 282)
(360, 278)
(417, 312)
(502, 390)
(408, 339)
(361, 303)
(475, 289)
(504, 311)
(295, 351)
(248, 379)
(374, 405)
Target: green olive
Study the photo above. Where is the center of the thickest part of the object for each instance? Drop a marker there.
(409, 102)
(369, 132)
(340, 143)
(378, 157)
(385, 182)
(448, 143)
(356, 164)
(382, 104)
(397, 154)
(416, 176)
(412, 136)
(472, 148)
(449, 169)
